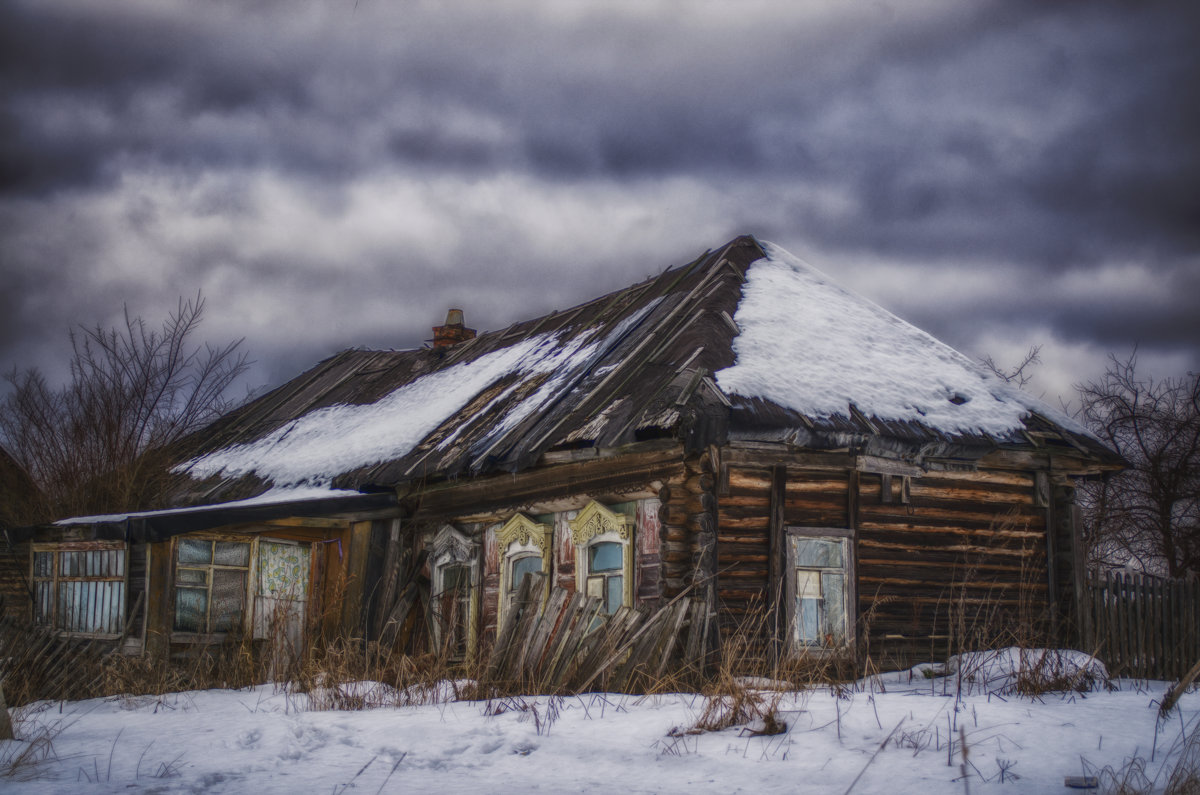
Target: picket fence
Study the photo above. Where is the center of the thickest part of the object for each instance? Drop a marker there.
(1144, 626)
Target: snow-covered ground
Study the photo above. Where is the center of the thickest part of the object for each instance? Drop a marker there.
(265, 741)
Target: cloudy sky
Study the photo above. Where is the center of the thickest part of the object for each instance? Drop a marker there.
(335, 174)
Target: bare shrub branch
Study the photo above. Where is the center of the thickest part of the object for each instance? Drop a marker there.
(101, 443)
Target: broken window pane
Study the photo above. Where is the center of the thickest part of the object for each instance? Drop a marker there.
(191, 576)
(816, 552)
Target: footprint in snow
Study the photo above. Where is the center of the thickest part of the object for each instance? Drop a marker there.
(249, 739)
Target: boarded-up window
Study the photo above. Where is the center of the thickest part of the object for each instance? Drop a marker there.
(80, 588)
(210, 584)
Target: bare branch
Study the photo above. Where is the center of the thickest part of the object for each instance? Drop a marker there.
(1022, 374)
(101, 443)
(1149, 514)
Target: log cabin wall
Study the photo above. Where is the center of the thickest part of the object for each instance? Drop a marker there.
(949, 561)
(941, 560)
(16, 601)
(750, 558)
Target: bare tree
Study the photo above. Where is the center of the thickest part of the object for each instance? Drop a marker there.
(1148, 514)
(102, 443)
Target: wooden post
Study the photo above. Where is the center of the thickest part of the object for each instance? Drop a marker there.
(777, 557)
(6, 727)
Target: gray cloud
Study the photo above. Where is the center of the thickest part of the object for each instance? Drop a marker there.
(336, 174)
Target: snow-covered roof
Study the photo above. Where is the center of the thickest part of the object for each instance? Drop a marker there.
(812, 346)
(746, 341)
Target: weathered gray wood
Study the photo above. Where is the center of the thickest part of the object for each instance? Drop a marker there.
(548, 620)
(504, 635)
(672, 639)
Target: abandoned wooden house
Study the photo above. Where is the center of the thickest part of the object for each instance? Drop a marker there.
(739, 429)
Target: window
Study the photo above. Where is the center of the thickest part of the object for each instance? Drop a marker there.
(821, 608)
(605, 574)
(80, 588)
(525, 548)
(604, 555)
(211, 578)
(455, 568)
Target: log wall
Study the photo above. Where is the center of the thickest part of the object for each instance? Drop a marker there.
(961, 563)
(942, 560)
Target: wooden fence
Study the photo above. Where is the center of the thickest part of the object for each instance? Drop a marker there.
(571, 646)
(1144, 626)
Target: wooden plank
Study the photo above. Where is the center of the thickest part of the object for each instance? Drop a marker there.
(535, 655)
(682, 609)
(557, 641)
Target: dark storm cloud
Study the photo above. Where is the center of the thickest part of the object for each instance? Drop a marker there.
(369, 163)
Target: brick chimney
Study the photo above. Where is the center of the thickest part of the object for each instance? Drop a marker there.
(453, 332)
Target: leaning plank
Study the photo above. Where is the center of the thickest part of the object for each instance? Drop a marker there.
(546, 624)
(606, 639)
(559, 640)
(504, 636)
(675, 625)
(575, 645)
(597, 671)
(691, 654)
(1174, 693)
(524, 631)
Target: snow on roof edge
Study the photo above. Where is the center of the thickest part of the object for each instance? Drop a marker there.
(270, 497)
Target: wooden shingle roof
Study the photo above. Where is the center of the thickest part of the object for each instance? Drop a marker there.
(636, 364)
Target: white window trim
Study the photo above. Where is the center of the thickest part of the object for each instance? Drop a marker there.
(846, 536)
(595, 524)
(451, 547)
(56, 579)
(520, 537)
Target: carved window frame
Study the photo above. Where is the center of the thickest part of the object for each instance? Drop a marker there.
(452, 547)
(521, 537)
(596, 524)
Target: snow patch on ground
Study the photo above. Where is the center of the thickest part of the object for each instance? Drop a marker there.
(264, 740)
(1007, 671)
(813, 346)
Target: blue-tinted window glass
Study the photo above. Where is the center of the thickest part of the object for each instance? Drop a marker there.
(530, 564)
(614, 593)
(605, 556)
